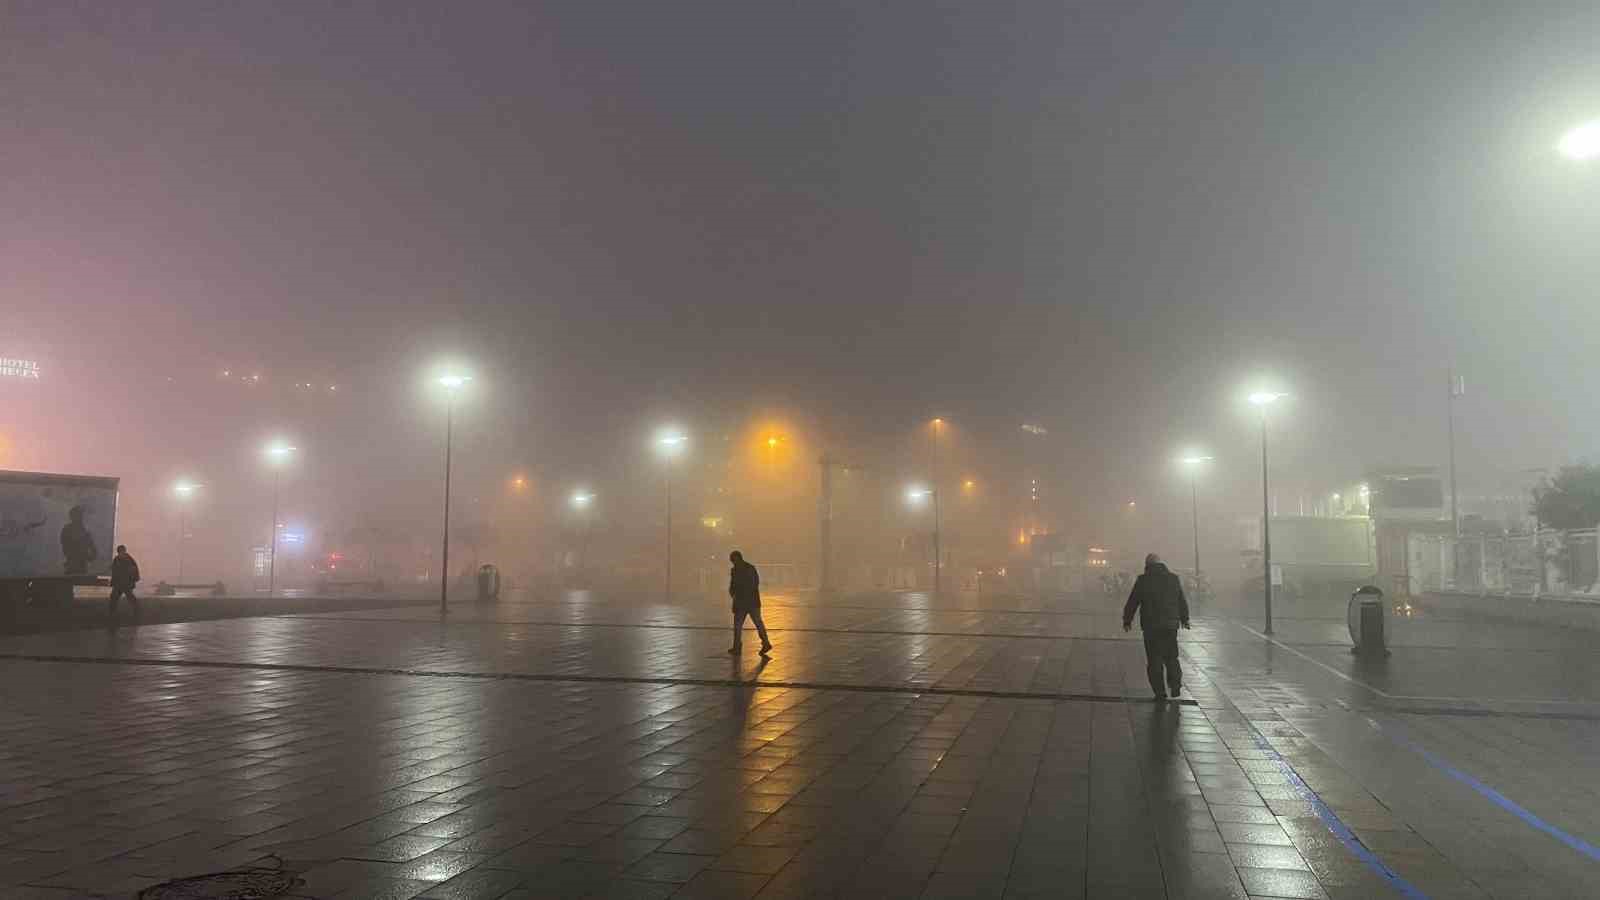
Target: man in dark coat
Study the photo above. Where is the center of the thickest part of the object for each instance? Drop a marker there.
(744, 586)
(124, 575)
(1158, 599)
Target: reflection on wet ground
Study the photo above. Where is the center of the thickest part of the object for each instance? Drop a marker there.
(895, 745)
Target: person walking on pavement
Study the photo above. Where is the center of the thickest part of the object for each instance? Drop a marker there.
(1158, 598)
(124, 575)
(744, 586)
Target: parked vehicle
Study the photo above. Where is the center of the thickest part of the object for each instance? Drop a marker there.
(56, 531)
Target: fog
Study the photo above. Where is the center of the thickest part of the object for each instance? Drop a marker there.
(823, 225)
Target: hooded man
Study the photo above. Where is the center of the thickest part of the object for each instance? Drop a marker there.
(1158, 599)
(744, 586)
(124, 575)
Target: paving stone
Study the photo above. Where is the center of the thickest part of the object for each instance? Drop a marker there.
(592, 754)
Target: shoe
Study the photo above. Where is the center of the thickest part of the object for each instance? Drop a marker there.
(734, 650)
(1177, 691)
(1161, 696)
(766, 649)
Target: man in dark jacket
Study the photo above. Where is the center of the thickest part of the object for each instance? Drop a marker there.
(1158, 598)
(124, 575)
(744, 586)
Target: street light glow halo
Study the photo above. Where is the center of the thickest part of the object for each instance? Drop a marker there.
(1266, 398)
(1582, 143)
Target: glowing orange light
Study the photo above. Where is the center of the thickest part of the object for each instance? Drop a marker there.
(772, 442)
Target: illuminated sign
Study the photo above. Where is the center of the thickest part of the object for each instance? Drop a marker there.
(291, 538)
(18, 368)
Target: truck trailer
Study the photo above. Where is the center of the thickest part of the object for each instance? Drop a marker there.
(56, 532)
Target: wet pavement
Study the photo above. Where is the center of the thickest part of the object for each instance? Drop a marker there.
(894, 746)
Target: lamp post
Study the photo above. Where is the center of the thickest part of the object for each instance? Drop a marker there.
(670, 443)
(1192, 463)
(916, 495)
(581, 501)
(452, 384)
(184, 490)
(278, 454)
(1262, 400)
(938, 557)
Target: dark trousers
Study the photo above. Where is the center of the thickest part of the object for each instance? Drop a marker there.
(118, 593)
(1161, 653)
(738, 626)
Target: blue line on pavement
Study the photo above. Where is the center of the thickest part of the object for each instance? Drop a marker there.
(1334, 824)
(1494, 796)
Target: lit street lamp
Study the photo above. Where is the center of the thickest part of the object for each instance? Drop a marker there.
(581, 502)
(184, 490)
(1582, 143)
(670, 443)
(452, 383)
(278, 454)
(915, 496)
(1261, 400)
(1192, 463)
(938, 558)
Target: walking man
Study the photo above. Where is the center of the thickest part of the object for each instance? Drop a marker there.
(744, 586)
(124, 575)
(1158, 598)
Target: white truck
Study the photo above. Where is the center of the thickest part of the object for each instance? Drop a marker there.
(56, 531)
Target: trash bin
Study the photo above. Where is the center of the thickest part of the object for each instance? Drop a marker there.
(1366, 621)
(488, 583)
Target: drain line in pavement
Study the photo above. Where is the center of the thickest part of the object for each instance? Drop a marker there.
(586, 679)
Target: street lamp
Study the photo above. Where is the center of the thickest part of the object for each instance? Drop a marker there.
(278, 454)
(938, 558)
(1582, 143)
(1262, 400)
(915, 496)
(581, 502)
(1192, 462)
(670, 443)
(452, 382)
(185, 489)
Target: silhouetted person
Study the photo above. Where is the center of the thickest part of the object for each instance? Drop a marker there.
(744, 586)
(77, 544)
(1158, 598)
(124, 575)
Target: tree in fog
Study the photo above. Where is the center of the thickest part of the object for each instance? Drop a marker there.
(1570, 500)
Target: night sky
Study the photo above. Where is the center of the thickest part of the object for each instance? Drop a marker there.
(1110, 217)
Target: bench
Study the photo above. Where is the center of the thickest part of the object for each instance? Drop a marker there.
(167, 589)
(330, 586)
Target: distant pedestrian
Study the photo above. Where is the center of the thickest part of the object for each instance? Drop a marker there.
(744, 586)
(124, 575)
(1158, 598)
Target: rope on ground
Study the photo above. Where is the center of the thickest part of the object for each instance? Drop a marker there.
(248, 883)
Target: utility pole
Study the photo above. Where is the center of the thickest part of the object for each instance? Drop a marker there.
(1457, 388)
(938, 558)
(826, 464)
(272, 554)
(669, 530)
(444, 561)
(1194, 507)
(1266, 525)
